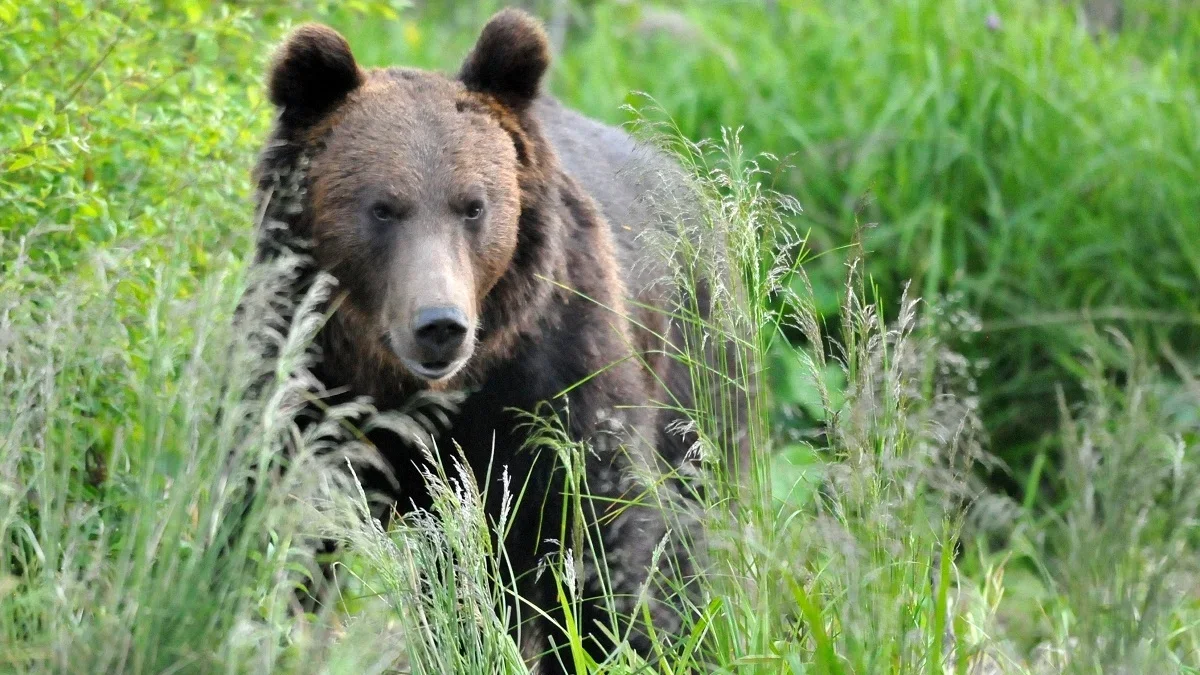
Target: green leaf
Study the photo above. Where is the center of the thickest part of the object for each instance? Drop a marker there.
(21, 162)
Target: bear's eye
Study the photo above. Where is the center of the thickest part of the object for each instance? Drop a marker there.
(473, 210)
(381, 212)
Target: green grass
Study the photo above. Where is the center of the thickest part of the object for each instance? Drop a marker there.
(1024, 179)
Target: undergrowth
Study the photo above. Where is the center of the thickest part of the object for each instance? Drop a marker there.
(861, 540)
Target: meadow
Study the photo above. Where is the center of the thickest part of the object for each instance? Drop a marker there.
(970, 237)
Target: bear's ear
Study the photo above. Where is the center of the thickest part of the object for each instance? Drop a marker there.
(311, 73)
(509, 58)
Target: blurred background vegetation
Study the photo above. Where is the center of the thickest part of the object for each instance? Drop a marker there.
(1030, 167)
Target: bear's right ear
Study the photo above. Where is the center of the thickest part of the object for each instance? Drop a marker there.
(312, 72)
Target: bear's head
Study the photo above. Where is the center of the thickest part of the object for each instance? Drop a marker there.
(421, 191)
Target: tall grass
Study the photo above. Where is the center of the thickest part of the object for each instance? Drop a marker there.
(126, 569)
(111, 563)
(131, 425)
(788, 582)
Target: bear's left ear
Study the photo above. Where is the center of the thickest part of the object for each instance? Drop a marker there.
(509, 59)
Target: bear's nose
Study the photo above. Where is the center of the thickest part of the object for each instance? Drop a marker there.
(440, 331)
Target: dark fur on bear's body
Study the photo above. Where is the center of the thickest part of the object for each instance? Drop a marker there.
(553, 320)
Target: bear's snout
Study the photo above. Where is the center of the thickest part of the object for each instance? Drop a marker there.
(436, 344)
(439, 333)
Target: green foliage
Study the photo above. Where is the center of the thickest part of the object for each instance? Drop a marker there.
(1021, 170)
(115, 108)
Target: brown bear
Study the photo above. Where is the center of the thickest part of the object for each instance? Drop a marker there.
(484, 240)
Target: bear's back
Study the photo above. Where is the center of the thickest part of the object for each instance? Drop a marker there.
(637, 186)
